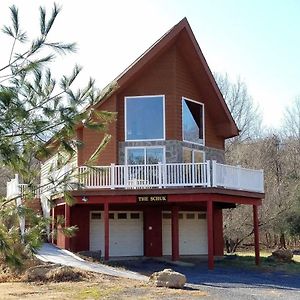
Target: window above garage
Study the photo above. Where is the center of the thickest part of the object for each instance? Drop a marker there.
(145, 118)
(192, 121)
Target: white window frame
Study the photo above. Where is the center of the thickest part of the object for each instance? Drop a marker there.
(164, 117)
(146, 147)
(194, 150)
(203, 118)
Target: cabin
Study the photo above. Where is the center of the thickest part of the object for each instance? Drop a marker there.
(161, 184)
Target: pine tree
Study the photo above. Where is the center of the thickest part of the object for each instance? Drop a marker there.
(34, 107)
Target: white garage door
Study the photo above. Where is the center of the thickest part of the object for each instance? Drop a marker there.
(96, 231)
(125, 233)
(192, 233)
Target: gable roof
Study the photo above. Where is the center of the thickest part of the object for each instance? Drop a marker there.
(183, 36)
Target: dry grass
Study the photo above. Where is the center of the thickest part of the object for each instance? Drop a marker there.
(57, 282)
(245, 259)
(100, 287)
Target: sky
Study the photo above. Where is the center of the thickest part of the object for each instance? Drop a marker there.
(258, 41)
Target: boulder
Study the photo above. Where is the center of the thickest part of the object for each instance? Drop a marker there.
(282, 255)
(168, 278)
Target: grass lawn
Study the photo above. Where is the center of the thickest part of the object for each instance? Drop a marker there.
(246, 260)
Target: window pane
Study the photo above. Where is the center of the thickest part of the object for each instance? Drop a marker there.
(135, 156)
(134, 216)
(122, 215)
(166, 215)
(198, 157)
(190, 216)
(192, 120)
(96, 216)
(144, 118)
(154, 155)
(187, 155)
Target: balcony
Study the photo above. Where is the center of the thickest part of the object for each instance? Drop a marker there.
(208, 174)
(151, 176)
(16, 190)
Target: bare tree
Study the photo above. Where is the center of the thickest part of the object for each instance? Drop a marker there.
(240, 103)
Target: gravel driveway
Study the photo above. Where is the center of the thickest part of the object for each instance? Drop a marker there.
(226, 282)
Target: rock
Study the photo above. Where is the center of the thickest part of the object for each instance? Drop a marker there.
(37, 273)
(282, 255)
(168, 278)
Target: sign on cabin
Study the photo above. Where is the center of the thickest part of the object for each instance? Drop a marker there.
(152, 199)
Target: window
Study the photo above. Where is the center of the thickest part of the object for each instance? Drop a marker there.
(96, 216)
(192, 121)
(145, 155)
(122, 215)
(202, 216)
(190, 216)
(192, 155)
(144, 118)
(166, 215)
(134, 215)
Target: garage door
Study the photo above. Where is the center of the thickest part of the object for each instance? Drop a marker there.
(96, 231)
(125, 233)
(192, 233)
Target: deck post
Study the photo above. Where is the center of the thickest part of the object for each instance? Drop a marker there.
(160, 179)
(106, 231)
(256, 234)
(175, 234)
(112, 176)
(67, 224)
(53, 225)
(210, 234)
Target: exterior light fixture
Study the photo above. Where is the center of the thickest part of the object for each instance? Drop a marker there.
(84, 199)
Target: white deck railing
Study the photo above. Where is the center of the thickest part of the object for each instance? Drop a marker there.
(145, 176)
(236, 177)
(13, 188)
(17, 190)
(208, 174)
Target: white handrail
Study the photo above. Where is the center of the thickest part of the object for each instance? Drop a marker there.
(147, 176)
(236, 177)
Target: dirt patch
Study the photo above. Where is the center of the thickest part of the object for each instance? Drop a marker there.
(51, 281)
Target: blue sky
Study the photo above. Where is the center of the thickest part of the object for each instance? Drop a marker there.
(256, 40)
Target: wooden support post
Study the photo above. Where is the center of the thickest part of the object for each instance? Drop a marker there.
(67, 224)
(175, 234)
(53, 225)
(106, 231)
(210, 234)
(256, 234)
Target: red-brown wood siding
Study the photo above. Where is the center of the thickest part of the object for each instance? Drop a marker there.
(152, 231)
(169, 75)
(187, 87)
(156, 79)
(80, 217)
(92, 138)
(60, 239)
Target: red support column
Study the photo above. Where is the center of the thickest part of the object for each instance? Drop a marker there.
(175, 234)
(53, 225)
(210, 234)
(256, 234)
(67, 224)
(106, 231)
